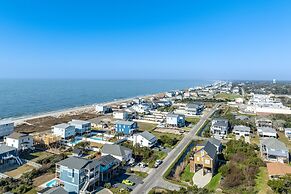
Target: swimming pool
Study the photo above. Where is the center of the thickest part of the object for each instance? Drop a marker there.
(96, 138)
(52, 183)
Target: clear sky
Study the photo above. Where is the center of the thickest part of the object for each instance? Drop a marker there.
(152, 39)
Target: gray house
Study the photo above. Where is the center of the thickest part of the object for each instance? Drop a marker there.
(274, 150)
(78, 175)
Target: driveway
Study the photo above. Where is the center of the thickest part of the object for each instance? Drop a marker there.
(200, 180)
(104, 191)
(133, 178)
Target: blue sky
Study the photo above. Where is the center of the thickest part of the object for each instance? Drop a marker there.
(152, 39)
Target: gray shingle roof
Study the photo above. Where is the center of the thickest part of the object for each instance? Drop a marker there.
(16, 135)
(147, 135)
(241, 128)
(215, 141)
(272, 143)
(122, 122)
(78, 163)
(4, 149)
(220, 122)
(267, 129)
(210, 149)
(108, 159)
(115, 150)
(54, 190)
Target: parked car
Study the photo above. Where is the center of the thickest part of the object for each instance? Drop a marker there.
(142, 165)
(158, 163)
(128, 182)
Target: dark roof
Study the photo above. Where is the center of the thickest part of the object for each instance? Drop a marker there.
(210, 149)
(215, 141)
(53, 190)
(147, 135)
(77, 151)
(115, 150)
(78, 163)
(16, 135)
(220, 122)
(108, 159)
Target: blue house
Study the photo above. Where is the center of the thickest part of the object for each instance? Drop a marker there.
(125, 127)
(78, 175)
(8, 156)
(108, 167)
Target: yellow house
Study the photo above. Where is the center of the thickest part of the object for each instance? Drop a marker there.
(205, 157)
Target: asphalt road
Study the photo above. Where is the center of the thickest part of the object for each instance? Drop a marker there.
(155, 178)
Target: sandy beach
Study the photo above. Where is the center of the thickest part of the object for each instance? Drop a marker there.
(75, 110)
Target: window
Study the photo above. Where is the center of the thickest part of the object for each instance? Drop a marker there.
(207, 161)
(198, 159)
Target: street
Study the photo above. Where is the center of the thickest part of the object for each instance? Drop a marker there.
(155, 178)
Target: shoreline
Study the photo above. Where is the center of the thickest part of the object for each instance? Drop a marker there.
(74, 110)
(79, 109)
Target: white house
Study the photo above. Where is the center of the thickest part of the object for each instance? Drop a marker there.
(81, 127)
(102, 108)
(219, 128)
(175, 120)
(288, 133)
(241, 130)
(20, 141)
(6, 127)
(64, 130)
(144, 139)
(266, 132)
(117, 151)
(120, 115)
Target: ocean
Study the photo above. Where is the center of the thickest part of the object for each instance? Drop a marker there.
(20, 98)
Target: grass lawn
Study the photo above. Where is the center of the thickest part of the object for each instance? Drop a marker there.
(43, 179)
(141, 174)
(35, 156)
(16, 173)
(192, 120)
(255, 140)
(169, 135)
(226, 96)
(146, 126)
(117, 190)
(32, 191)
(158, 155)
(214, 183)
(284, 139)
(187, 175)
(262, 180)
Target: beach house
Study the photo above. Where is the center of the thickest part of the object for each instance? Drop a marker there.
(81, 127)
(266, 132)
(109, 167)
(144, 139)
(219, 128)
(78, 175)
(20, 141)
(8, 156)
(192, 109)
(125, 127)
(117, 151)
(120, 115)
(241, 130)
(6, 127)
(204, 158)
(102, 109)
(264, 122)
(64, 130)
(175, 120)
(274, 150)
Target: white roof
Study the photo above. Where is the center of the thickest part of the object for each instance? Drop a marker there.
(79, 122)
(62, 125)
